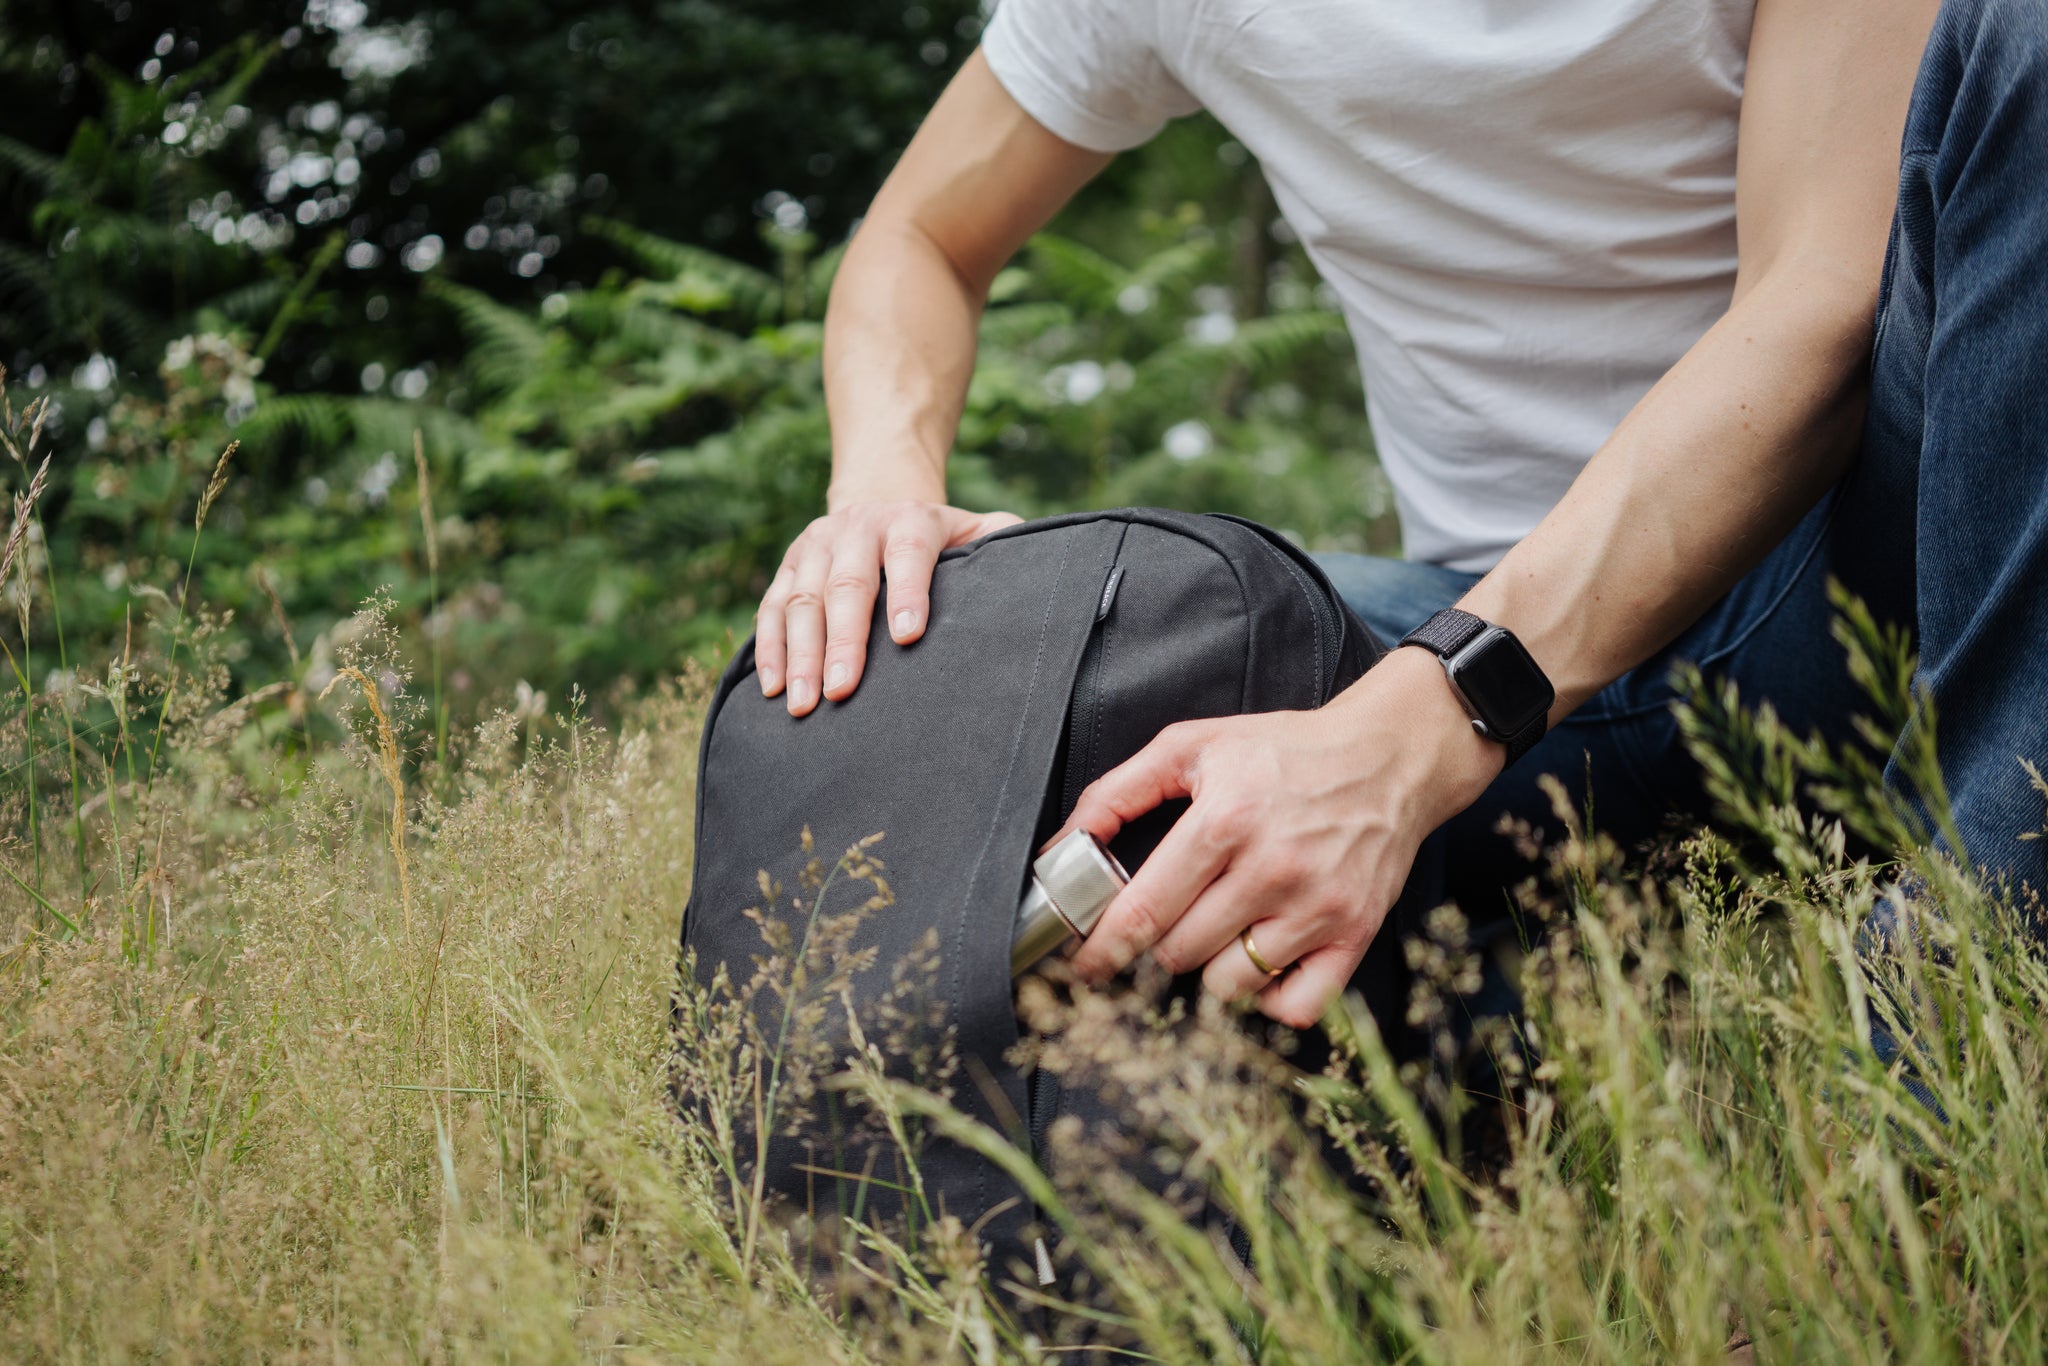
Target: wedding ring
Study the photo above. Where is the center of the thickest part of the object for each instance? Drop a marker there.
(1251, 951)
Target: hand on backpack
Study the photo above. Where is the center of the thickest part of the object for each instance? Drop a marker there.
(1301, 828)
(811, 633)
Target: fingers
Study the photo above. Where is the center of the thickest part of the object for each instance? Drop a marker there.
(1281, 940)
(771, 656)
(810, 637)
(983, 524)
(804, 622)
(1301, 996)
(850, 588)
(1182, 869)
(911, 546)
(909, 551)
(1210, 926)
(1157, 773)
(1313, 970)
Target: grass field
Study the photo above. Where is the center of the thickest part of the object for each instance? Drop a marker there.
(285, 1078)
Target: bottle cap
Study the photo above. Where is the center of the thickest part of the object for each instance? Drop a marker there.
(1072, 884)
(1081, 878)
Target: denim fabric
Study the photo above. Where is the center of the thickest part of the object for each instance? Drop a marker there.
(1941, 526)
(1950, 501)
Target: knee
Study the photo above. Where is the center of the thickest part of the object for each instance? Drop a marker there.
(1999, 42)
(1981, 84)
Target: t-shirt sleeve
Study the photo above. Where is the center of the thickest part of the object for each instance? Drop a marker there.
(1089, 70)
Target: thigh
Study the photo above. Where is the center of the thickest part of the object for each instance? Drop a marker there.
(1952, 493)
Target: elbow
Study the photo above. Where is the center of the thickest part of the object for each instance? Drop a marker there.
(1826, 296)
(896, 247)
(1817, 307)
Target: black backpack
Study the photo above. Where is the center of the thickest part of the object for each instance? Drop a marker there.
(1056, 650)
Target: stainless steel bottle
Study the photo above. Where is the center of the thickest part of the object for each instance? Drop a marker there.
(1072, 883)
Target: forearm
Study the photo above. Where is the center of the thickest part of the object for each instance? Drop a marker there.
(979, 178)
(1699, 482)
(899, 350)
(1720, 460)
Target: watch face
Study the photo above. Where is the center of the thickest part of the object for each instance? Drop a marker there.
(1501, 684)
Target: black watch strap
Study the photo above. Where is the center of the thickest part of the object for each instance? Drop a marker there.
(1446, 633)
(1521, 744)
(1450, 631)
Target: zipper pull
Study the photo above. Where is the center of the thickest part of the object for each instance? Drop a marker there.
(1116, 578)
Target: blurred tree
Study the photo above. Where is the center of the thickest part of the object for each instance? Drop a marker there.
(465, 138)
(584, 254)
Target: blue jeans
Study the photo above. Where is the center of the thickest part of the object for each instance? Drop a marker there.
(1941, 526)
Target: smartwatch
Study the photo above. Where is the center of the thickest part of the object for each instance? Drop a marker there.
(1495, 680)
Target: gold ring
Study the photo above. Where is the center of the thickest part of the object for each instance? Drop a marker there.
(1251, 951)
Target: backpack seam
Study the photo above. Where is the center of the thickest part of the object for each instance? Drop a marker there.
(960, 926)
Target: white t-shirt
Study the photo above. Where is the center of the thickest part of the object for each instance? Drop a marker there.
(1526, 206)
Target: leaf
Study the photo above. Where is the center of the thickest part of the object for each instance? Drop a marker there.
(323, 421)
(1174, 267)
(753, 293)
(509, 345)
(1018, 324)
(42, 168)
(1079, 275)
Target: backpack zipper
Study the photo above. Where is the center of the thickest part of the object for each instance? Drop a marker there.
(1044, 1100)
(1081, 710)
(1045, 1103)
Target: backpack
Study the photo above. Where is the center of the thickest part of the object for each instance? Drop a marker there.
(1055, 650)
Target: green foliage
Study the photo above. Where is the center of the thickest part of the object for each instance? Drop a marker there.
(629, 461)
(336, 1034)
(470, 138)
(121, 274)
(616, 473)
(229, 241)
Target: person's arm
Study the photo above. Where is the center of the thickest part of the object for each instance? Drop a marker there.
(1303, 826)
(978, 179)
(1721, 459)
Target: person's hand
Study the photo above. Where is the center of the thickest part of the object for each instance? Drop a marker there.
(811, 634)
(1302, 829)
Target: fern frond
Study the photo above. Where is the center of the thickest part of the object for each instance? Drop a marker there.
(1019, 324)
(1079, 275)
(1263, 345)
(1173, 267)
(1259, 347)
(27, 273)
(753, 293)
(323, 421)
(649, 326)
(509, 345)
(381, 424)
(252, 302)
(42, 168)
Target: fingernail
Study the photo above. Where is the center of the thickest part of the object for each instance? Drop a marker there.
(799, 693)
(906, 622)
(835, 677)
(770, 681)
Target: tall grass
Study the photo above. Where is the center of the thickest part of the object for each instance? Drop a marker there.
(373, 1055)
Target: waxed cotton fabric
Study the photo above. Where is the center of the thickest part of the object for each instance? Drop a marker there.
(1055, 650)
